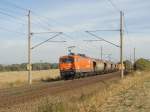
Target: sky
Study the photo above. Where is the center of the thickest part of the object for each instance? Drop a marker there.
(73, 18)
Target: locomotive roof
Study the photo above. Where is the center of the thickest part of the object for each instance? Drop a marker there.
(83, 55)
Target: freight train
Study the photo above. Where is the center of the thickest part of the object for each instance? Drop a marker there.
(79, 65)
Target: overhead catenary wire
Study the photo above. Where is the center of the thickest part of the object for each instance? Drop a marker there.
(13, 17)
(125, 25)
(92, 40)
(34, 13)
(102, 39)
(39, 18)
(25, 9)
(64, 34)
(68, 36)
(14, 5)
(39, 24)
(18, 7)
(11, 11)
(44, 32)
(50, 26)
(105, 30)
(127, 34)
(114, 5)
(12, 31)
(99, 49)
(6, 14)
(56, 41)
(37, 45)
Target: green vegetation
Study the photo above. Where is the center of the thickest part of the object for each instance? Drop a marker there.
(23, 67)
(128, 65)
(142, 64)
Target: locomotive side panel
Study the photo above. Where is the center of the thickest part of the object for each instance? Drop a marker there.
(83, 64)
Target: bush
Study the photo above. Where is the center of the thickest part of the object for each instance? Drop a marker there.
(142, 64)
(2, 68)
(128, 65)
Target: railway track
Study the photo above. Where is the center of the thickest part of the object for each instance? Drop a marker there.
(14, 96)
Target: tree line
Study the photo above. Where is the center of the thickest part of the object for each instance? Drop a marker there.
(23, 67)
(140, 64)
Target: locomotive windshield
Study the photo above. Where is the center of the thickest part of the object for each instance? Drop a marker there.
(67, 60)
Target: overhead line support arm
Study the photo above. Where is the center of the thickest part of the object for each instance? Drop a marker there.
(102, 39)
(46, 40)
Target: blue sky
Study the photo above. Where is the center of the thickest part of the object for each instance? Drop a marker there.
(73, 17)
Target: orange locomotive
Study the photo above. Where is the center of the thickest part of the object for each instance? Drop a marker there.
(79, 65)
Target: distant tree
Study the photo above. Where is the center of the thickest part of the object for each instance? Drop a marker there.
(2, 68)
(41, 66)
(128, 65)
(54, 66)
(23, 67)
(142, 64)
(15, 67)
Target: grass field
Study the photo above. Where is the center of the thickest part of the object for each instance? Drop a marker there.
(134, 99)
(131, 94)
(9, 79)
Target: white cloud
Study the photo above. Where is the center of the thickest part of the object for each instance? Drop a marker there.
(74, 19)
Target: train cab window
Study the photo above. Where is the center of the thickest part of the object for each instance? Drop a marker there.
(67, 60)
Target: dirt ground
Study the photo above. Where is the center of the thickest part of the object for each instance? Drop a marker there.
(135, 99)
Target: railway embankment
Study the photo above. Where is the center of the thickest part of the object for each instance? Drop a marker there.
(131, 94)
(93, 94)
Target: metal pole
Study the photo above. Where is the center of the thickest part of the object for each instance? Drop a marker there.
(29, 50)
(40, 64)
(121, 43)
(134, 55)
(131, 62)
(101, 53)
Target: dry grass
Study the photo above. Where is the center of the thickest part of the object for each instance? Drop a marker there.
(134, 99)
(115, 97)
(131, 94)
(9, 79)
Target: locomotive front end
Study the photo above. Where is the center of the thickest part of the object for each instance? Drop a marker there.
(66, 66)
